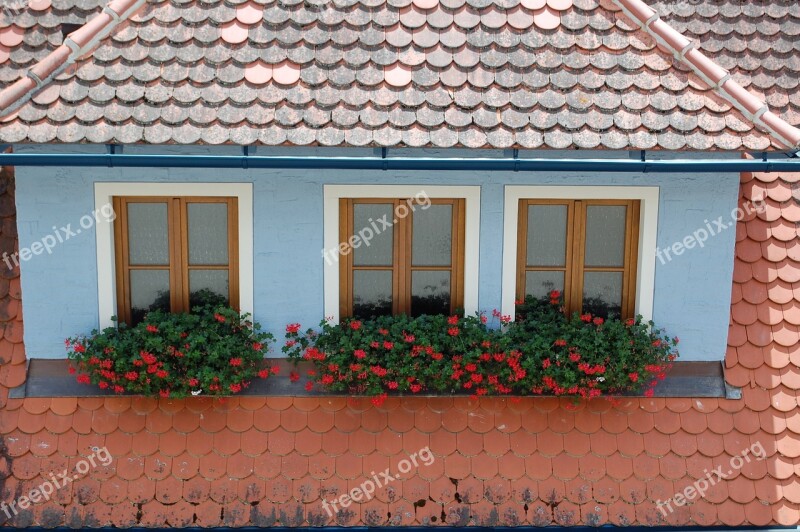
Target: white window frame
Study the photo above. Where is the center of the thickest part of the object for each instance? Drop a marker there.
(648, 233)
(333, 193)
(106, 256)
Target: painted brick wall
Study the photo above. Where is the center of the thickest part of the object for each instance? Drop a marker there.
(692, 291)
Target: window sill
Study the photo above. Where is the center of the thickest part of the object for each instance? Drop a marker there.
(50, 378)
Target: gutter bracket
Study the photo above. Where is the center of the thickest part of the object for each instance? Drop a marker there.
(643, 156)
(245, 155)
(516, 159)
(384, 152)
(111, 149)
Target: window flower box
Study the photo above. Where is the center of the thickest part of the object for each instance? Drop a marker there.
(542, 352)
(211, 351)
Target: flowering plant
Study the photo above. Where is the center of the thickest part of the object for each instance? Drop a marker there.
(542, 352)
(214, 350)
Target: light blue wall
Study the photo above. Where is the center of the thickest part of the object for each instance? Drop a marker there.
(692, 292)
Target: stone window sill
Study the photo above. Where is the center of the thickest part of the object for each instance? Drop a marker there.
(50, 378)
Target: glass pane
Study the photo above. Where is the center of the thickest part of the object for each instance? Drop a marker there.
(602, 293)
(432, 236)
(372, 293)
(372, 225)
(149, 291)
(547, 235)
(208, 287)
(208, 233)
(605, 235)
(148, 239)
(430, 292)
(540, 284)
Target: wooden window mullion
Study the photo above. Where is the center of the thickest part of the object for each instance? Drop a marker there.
(576, 269)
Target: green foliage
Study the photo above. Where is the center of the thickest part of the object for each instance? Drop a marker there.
(213, 349)
(541, 352)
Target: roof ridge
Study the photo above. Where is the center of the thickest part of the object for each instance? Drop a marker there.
(718, 78)
(75, 46)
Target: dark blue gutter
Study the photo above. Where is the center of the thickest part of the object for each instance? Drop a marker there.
(398, 163)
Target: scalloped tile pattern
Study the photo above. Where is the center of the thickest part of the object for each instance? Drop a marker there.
(269, 461)
(473, 73)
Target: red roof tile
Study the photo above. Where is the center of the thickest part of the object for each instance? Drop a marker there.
(474, 49)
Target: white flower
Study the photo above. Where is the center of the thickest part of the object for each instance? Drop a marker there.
(600, 379)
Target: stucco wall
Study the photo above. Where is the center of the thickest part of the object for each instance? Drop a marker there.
(692, 291)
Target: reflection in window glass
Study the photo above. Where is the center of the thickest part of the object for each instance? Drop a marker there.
(602, 293)
(430, 292)
(372, 293)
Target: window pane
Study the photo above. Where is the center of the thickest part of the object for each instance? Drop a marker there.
(547, 235)
(208, 233)
(540, 284)
(375, 248)
(148, 241)
(430, 292)
(372, 293)
(432, 236)
(149, 291)
(605, 235)
(602, 293)
(208, 287)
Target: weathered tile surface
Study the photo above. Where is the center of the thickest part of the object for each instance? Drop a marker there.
(472, 73)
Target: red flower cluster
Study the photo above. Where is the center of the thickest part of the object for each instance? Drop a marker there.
(543, 352)
(225, 352)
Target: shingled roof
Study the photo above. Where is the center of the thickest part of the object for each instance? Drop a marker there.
(609, 74)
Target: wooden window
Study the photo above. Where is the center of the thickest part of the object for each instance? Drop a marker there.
(587, 249)
(173, 253)
(406, 258)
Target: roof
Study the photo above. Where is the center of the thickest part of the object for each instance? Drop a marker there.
(271, 460)
(607, 74)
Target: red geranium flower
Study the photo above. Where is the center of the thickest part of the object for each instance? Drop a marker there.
(292, 327)
(355, 325)
(219, 317)
(236, 362)
(452, 320)
(453, 331)
(359, 354)
(294, 377)
(152, 329)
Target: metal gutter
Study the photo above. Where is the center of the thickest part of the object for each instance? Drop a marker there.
(122, 160)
